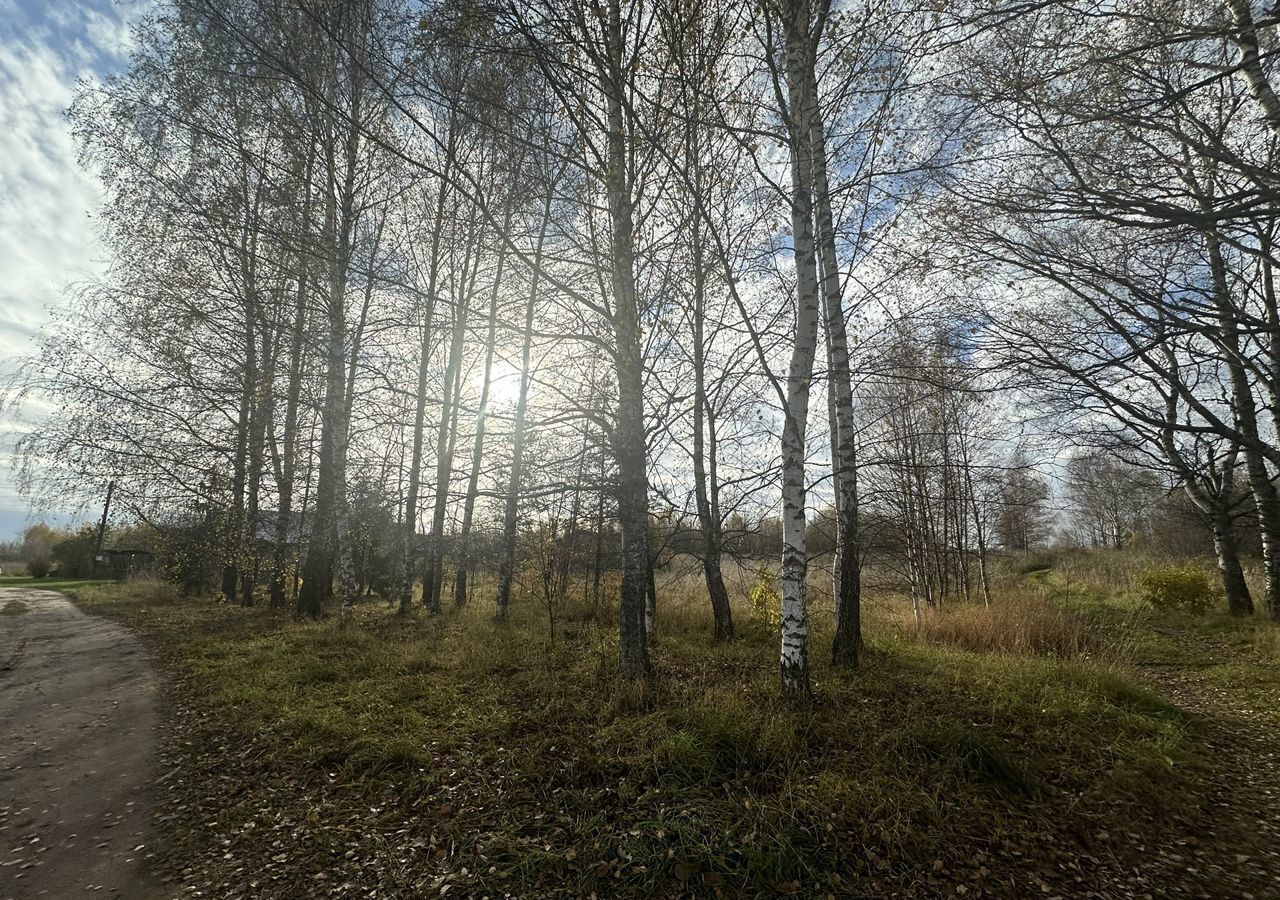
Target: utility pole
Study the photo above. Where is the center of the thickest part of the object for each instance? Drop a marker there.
(102, 526)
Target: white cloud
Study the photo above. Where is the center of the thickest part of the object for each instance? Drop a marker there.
(47, 238)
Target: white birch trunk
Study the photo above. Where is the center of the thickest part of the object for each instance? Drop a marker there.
(794, 659)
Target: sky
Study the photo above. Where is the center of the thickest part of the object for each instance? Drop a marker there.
(47, 242)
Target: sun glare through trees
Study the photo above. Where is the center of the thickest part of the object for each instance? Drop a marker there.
(605, 355)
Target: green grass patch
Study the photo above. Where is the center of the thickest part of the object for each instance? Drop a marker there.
(503, 766)
(52, 582)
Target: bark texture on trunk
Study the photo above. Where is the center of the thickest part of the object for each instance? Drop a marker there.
(289, 439)
(330, 529)
(240, 462)
(847, 585)
(650, 593)
(704, 420)
(409, 526)
(708, 519)
(629, 432)
(261, 414)
(482, 411)
(510, 517)
(1245, 411)
(1246, 38)
(317, 564)
(794, 657)
(445, 442)
(1227, 548)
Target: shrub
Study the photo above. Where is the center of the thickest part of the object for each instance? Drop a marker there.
(153, 590)
(75, 553)
(766, 602)
(1027, 626)
(190, 554)
(38, 541)
(1189, 588)
(38, 568)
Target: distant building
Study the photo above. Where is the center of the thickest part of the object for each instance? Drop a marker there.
(122, 563)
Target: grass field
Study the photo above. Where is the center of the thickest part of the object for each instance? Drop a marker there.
(411, 757)
(52, 582)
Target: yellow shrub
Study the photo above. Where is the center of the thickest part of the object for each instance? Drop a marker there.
(1188, 587)
(766, 602)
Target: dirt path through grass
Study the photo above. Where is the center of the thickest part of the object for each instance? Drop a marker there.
(1232, 848)
(77, 740)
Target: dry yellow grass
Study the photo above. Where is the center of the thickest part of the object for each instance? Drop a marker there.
(1023, 620)
(1027, 626)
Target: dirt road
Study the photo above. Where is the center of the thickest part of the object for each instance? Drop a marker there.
(1232, 847)
(77, 739)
